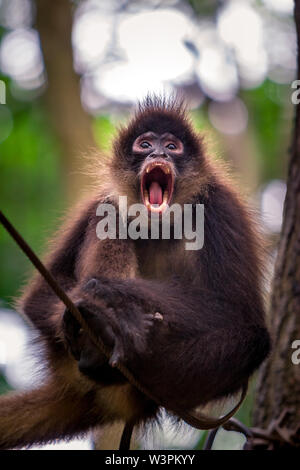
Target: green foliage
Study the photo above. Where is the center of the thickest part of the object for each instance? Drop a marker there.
(202, 440)
(30, 190)
(270, 117)
(104, 131)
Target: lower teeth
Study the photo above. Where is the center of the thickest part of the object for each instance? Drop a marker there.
(166, 197)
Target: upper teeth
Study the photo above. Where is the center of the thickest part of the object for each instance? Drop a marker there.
(165, 168)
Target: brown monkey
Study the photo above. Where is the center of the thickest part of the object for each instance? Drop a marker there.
(212, 333)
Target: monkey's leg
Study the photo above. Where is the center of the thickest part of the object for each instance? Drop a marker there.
(42, 415)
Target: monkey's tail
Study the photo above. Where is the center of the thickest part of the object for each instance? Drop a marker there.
(43, 415)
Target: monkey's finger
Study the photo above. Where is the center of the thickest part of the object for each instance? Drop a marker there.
(99, 290)
(91, 359)
(118, 353)
(148, 319)
(103, 330)
(158, 317)
(98, 322)
(69, 323)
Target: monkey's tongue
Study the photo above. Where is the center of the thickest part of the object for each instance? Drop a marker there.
(155, 193)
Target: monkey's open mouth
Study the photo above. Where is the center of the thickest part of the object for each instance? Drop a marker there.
(157, 184)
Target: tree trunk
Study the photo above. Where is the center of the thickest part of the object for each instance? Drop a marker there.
(279, 381)
(70, 122)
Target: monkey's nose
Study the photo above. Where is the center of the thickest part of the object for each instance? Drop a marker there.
(158, 155)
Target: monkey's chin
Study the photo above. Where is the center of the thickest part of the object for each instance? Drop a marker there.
(157, 183)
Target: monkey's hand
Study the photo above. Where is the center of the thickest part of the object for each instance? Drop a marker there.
(119, 321)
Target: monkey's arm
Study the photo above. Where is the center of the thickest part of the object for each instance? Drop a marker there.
(58, 408)
(76, 253)
(69, 403)
(39, 302)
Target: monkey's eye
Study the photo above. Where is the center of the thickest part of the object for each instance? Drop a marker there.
(145, 145)
(171, 146)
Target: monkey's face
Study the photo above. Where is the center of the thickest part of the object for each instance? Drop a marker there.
(158, 158)
(158, 154)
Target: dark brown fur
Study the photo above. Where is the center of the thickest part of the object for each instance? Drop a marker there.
(213, 334)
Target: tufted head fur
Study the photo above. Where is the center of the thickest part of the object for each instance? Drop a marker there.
(161, 115)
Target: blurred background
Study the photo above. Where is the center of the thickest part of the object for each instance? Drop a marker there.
(71, 71)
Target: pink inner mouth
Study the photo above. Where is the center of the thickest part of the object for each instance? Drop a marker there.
(155, 193)
(157, 186)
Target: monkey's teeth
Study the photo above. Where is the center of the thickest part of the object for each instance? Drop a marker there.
(166, 197)
(164, 167)
(146, 197)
